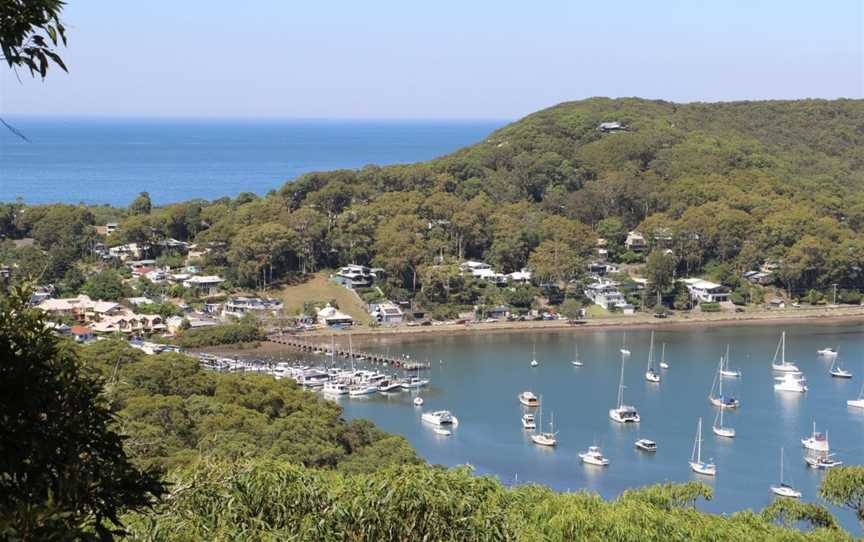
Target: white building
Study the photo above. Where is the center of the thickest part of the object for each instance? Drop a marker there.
(332, 317)
(635, 242)
(208, 285)
(520, 277)
(386, 312)
(607, 295)
(355, 276)
(239, 306)
(703, 290)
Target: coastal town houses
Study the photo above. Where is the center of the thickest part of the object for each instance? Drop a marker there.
(332, 317)
(204, 285)
(237, 307)
(605, 294)
(386, 313)
(706, 291)
(129, 251)
(81, 308)
(355, 276)
(635, 242)
(130, 324)
(81, 334)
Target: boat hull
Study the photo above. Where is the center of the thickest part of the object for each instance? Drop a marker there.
(855, 403)
(785, 491)
(703, 469)
(725, 432)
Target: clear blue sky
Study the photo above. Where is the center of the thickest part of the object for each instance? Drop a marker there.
(440, 59)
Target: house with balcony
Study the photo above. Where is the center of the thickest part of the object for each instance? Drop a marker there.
(206, 285)
(332, 317)
(386, 313)
(606, 294)
(635, 242)
(706, 291)
(241, 306)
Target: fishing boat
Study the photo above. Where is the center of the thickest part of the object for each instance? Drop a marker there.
(624, 350)
(663, 363)
(440, 417)
(784, 489)
(859, 402)
(724, 367)
(651, 375)
(528, 422)
(696, 463)
(821, 461)
(817, 441)
(791, 383)
(783, 366)
(534, 362)
(593, 456)
(576, 361)
(335, 388)
(827, 352)
(719, 429)
(443, 432)
(623, 413)
(546, 438)
(362, 389)
(646, 445)
(837, 371)
(528, 399)
(720, 400)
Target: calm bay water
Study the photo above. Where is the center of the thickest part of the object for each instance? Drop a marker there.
(481, 375)
(111, 161)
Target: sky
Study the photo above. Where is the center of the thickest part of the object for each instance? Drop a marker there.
(447, 59)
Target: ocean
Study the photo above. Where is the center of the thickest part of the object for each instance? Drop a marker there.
(109, 161)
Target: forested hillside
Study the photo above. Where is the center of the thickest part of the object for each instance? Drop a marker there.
(729, 184)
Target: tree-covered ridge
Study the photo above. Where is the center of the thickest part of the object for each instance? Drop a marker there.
(175, 414)
(265, 500)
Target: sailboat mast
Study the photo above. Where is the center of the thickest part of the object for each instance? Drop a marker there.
(783, 348)
(621, 384)
(781, 465)
(651, 353)
(699, 442)
(663, 353)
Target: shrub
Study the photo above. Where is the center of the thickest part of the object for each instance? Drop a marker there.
(709, 307)
(216, 335)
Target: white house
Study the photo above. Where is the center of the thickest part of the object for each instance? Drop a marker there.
(707, 291)
(635, 242)
(238, 306)
(606, 294)
(355, 276)
(332, 317)
(386, 312)
(520, 277)
(611, 126)
(208, 285)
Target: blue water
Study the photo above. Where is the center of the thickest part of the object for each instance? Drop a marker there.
(111, 161)
(481, 375)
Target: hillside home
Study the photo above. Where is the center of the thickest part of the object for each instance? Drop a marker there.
(240, 306)
(386, 312)
(354, 276)
(81, 334)
(759, 277)
(207, 285)
(635, 242)
(332, 317)
(607, 295)
(81, 308)
(706, 291)
(611, 126)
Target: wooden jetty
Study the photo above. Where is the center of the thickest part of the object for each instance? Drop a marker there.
(302, 345)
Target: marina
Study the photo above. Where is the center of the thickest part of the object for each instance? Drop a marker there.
(479, 379)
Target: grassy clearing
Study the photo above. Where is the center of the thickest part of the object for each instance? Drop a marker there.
(319, 288)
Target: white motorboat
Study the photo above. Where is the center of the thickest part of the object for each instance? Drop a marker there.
(528, 422)
(418, 401)
(817, 442)
(593, 456)
(624, 350)
(414, 383)
(546, 438)
(783, 366)
(821, 461)
(440, 417)
(387, 385)
(791, 383)
(827, 352)
(724, 367)
(663, 363)
(528, 399)
(362, 389)
(646, 445)
(696, 464)
(443, 432)
(784, 489)
(576, 361)
(720, 400)
(623, 413)
(859, 402)
(719, 429)
(837, 371)
(534, 362)
(335, 388)
(651, 375)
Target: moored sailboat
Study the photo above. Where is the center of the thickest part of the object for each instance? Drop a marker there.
(651, 375)
(623, 413)
(719, 429)
(784, 489)
(663, 363)
(546, 438)
(859, 402)
(724, 367)
(720, 400)
(576, 361)
(696, 464)
(783, 366)
(837, 371)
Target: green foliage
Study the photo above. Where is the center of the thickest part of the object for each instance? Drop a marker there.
(222, 334)
(844, 486)
(571, 308)
(106, 285)
(141, 205)
(65, 472)
(30, 34)
(709, 307)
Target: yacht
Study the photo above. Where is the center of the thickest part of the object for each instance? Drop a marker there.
(576, 361)
(442, 431)
(817, 442)
(534, 362)
(359, 390)
(719, 429)
(827, 352)
(528, 399)
(546, 438)
(720, 400)
(623, 413)
(783, 366)
(388, 385)
(696, 463)
(624, 350)
(663, 363)
(821, 461)
(528, 422)
(593, 456)
(440, 417)
(791, 382)
(335, 388)
(859, 402)
(837, 371)
(724, 367)
(784, 489)
(646, 445)
(651, 375)
(414, 383)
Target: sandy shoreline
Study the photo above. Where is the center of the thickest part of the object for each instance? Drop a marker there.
(366, 336)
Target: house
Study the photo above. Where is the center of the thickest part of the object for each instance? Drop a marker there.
(519, 277)
(471, 266)
(81, 334)
(128, 251)
(5, 272)
(173, 245)
(108, 229)
(129, 323)
(498, 312)
(483, 271)
(135, 301)
(635, 242)
(81, 308)
(606, 294)
(206, 285)
(703, 290)
(240, 306)
(386, 312)
(156, 275)
(613, 126)
(759, 277)
(354, 276)
(332, 317)
(40, 294)
(602, 268)
(175, 323)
